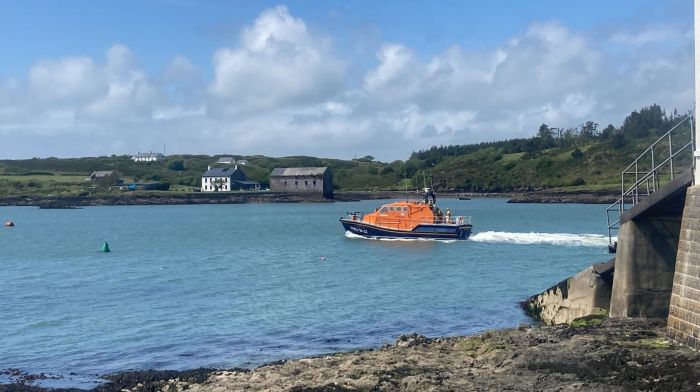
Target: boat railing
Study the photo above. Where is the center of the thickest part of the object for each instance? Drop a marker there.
(397, 224)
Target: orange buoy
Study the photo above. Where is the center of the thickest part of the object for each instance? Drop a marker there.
(9, 224)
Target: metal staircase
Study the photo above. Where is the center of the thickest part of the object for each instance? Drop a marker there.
(664, 159)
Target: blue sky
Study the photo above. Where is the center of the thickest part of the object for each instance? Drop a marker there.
(327, 78)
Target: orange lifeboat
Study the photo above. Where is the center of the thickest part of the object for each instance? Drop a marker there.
(409, 219)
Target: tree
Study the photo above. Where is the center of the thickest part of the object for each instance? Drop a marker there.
(176, 165)
(607, 132)
(545, 135)
(589, 129)
(218, 184)
(577, 153)
(618, 140)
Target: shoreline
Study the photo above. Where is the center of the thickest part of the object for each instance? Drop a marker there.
(154, 198)
(607, 355)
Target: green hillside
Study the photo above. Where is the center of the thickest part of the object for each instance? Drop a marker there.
(583, 158)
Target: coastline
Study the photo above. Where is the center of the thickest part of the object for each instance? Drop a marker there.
(596, 355)
(174, 198)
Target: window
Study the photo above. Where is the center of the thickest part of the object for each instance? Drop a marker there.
(314, 182)
(384, 210)
(285, 182)
(296, 182)
(306, 183)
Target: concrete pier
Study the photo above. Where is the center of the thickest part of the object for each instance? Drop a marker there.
(646, 252)
(645, 264)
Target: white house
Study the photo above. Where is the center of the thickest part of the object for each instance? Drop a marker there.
(225, 179)
(148, 157)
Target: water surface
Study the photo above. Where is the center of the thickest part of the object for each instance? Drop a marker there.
(245, 284)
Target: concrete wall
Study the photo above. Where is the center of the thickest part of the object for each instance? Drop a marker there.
(583, 294)
(684, 314)
(644, 266)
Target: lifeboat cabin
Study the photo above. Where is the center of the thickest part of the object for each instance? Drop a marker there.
(408, 219)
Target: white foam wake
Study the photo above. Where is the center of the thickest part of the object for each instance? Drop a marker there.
(352, 235)
(564, 239)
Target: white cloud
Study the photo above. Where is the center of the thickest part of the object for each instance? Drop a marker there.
(283, 90)
(279, 64)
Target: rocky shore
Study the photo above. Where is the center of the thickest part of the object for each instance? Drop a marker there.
(594, 354)
(172, 198)
(554, 196)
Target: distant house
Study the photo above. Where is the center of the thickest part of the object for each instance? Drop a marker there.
(105, 176)
(225, 179)
(226, 161)
(302, 179)
(242, 162)
(148, 157)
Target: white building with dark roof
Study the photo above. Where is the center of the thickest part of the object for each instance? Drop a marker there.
(148, 157)
(226, 179)
(302, 179)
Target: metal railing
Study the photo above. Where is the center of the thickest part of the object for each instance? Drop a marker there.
(658, 159)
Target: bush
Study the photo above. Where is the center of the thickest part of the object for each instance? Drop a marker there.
(577, 154)
(543, 163)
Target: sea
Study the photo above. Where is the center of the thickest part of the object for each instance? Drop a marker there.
(242, 285)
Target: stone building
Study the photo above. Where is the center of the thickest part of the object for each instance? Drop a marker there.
(302, 179)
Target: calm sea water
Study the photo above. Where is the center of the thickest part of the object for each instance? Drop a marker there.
(241, 285)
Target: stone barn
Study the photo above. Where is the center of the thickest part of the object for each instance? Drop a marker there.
(302, 179)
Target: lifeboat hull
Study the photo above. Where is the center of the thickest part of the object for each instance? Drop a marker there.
(422, 231)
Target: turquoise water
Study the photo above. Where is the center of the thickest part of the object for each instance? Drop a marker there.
(241, 285)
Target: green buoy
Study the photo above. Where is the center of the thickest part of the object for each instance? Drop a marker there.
(105, 247)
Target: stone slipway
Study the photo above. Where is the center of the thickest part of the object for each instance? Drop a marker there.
(588, 292)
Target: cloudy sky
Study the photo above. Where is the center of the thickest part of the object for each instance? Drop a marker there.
(328, 78)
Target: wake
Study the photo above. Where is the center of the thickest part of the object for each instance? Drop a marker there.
(563, 239)
(351, 235)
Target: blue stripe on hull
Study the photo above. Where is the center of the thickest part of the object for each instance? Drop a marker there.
(439, 232)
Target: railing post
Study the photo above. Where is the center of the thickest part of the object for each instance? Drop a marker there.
(622, 194)
(692, 145)
(670, 152)
(636, 182)
(653, 169)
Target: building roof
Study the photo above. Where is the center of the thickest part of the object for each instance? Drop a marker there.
(148, 155)
(227, 160)
(102, 173)
(298, 171)
(219, 172)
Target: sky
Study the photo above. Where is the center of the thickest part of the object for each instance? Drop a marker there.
(330, 78)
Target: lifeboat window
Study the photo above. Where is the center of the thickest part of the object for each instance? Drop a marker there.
(405, 209)
(383, 210)
(391, 208)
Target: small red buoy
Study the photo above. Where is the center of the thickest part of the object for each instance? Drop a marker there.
(9, 224)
